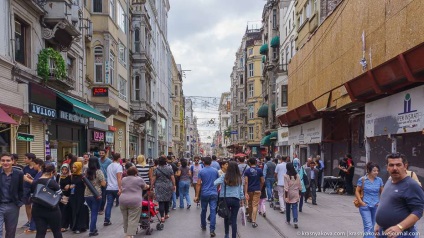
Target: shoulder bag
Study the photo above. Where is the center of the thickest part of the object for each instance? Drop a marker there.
(45, 196)
(223, 210)
(356, 201)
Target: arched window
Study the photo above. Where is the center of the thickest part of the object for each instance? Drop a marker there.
(137, 87)
(137, 40)
(98, 64)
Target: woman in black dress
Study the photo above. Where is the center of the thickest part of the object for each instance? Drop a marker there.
(79, 210)
(65, 179)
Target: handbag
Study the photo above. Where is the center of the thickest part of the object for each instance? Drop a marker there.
(305, 178)
(243, 215)
(45, 196)
(223, 210)
(356, 201)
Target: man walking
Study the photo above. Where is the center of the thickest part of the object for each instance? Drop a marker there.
(401, 203)
(312, 174)
(280, 171)
(320, 167)
(208, 194)
(28, 169)
(104, 164)
(269, 171)
(114, 185)
(254, 181)
(214, 163)
(11, 193)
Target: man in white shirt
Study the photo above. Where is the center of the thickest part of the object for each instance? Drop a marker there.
(280, 171)
(114, 185)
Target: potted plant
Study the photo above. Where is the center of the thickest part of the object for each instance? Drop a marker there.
(51, 63)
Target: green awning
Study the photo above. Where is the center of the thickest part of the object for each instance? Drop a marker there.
(266, 141)
(264, 49)
(263, 111)
(82, 108)
(275, 42)
(263, 58)
(273, 135)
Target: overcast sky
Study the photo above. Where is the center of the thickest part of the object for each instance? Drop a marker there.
(204, 36)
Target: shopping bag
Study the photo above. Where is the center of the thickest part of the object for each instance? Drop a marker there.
(243, 215)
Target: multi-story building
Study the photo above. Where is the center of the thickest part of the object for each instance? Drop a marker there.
(354, 86)
(192, 140)
(222, 139)
(178, 135)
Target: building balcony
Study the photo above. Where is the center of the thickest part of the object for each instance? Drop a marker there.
(37, 5)
(141, 111)
(61, 22)
(142, 55)
(66, 84)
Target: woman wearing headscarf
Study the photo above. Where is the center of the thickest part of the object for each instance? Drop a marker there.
(65, 179)
(76, 200)
(301, 171)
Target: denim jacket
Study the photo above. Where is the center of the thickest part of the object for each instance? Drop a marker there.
(231, 191)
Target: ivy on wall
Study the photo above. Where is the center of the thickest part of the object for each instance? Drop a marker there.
(43, 65)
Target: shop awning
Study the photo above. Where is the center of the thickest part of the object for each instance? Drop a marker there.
(266, 140)
(264, 49)
(4, 118)
(273, 135)
(263, 111)
(275, 42)
(82, 108)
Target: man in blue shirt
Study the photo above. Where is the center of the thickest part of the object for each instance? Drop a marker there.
(208, 194)
(254, 181)
(104, 163)
(215, 163)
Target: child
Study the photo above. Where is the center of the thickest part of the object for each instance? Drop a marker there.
(261, 208)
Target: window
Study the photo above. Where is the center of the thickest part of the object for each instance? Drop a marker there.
(308, 10)
(137, 40)
(112, 9)
(250, 132)
(111, 68)
(274, 18)
(241, 63)
(188, 139)
(284, 95)
(70, 67)
(251, 111)
(287, 54)
(241, 79)
(137, 88)
(251, 70)
(176, 111)
(176, 90)
(250, 90)
(251, 51)
(97, 5)
(122, 54)
(301, 18)
(176, 131)
(22, 41)
(98, 64)
(293, 50)
(122, 88)
(241, 97)
(121, 18)
(275, 53)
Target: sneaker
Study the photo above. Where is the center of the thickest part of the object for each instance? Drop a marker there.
(174, 208)
(264, 214)
(213, 234)
(295, 225)
(93, 234)
(287, 222)
(26, 224)
(283, 211)
(107, 223)
(203, 228)
(254, 224)
(188, 206)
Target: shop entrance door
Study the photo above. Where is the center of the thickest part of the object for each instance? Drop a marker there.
(303, 154)
(66, 147)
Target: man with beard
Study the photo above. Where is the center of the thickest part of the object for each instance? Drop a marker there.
(401, 203)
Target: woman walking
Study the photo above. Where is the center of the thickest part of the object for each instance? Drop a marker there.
(291, 188)
(372, 188)
(184, 185)
(231, 185)
(76, 200)
(163, 182)
(301, 171)
(65, 179)
(143, 169)
(130, 201)
(47, 217)
(97, 179)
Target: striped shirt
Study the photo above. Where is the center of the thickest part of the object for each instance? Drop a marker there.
(143, 172)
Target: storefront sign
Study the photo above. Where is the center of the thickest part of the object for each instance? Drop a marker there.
(307, 133)
(109, 137)
(25, 137)
(283, 136)
(72, 117)
(43, 111)
(98, 136)
(397, 114)
(98, 125)
(100, 92)
(112, 128)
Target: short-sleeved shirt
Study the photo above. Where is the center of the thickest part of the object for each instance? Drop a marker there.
(96, 183)
(371, 190)
(32, 172)
(195, 169)
(398, 201)
(253, 175)
(281, 170)
(215, 165)
(104, 165)
(112, 180)
(143, 172)
(208, 175)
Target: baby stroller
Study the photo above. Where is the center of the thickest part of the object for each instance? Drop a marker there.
(275, 204)
(148, 211)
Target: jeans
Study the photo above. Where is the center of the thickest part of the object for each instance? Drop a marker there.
(184, 193)
(253, 203)
(94, 205)
(234, 206)
(9, 215)
(103, 203)
(211, 201)
(293, 207)
(174, 200)
(301, 201)
(313, 190)
(111, 195)
(269, 182)
(368, 219)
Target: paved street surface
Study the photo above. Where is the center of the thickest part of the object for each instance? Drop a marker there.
(334, 213)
